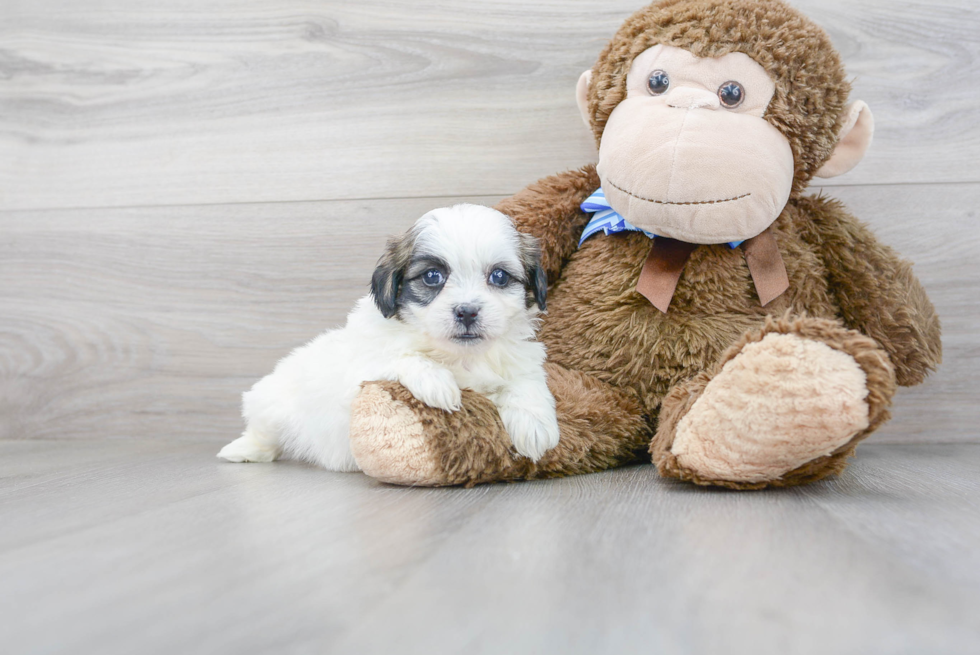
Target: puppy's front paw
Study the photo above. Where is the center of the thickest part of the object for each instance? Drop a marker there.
(532, 434)
(436, 387)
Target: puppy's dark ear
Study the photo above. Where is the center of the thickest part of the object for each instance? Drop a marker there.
(386, 282)
(536, 280)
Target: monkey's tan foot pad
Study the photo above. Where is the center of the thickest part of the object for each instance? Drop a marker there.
(388, 440)
(400, 440)
(786, 406)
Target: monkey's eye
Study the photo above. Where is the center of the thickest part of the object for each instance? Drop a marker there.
(433, 277)
(658, 82)
(731, 94)
(499, 277)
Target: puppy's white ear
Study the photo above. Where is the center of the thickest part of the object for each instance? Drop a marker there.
(387, 279)
(535, 279)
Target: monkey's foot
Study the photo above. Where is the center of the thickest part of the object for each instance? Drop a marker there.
(401, 440)
(786, 405)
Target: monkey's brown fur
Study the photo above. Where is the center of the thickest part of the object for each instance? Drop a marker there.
(622, 372)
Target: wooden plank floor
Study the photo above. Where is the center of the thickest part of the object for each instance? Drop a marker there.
(149, 547)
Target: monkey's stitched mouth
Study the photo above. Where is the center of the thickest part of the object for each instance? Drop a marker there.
(667, 202)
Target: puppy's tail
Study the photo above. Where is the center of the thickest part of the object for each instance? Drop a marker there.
(252, 446)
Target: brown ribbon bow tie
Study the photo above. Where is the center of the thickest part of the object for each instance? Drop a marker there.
(667, 257)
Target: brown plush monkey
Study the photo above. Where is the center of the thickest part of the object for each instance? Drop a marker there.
(712, 316)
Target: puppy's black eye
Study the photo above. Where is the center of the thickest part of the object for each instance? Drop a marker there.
(731, 94)
(433, 277)
(499, 277)
(658, 82)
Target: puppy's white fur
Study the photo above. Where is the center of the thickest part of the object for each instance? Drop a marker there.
(302, 409)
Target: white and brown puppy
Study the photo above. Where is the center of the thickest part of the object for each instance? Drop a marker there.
(453, 305)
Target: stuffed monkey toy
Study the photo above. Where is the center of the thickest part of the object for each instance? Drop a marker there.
(702, 312)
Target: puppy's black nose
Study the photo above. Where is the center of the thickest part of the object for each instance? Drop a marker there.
(466, 314)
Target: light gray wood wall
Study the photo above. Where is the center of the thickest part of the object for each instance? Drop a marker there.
(188, 190)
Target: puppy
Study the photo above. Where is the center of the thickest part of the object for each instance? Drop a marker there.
(453, 305)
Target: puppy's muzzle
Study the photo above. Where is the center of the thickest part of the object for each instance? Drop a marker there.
(466, 314)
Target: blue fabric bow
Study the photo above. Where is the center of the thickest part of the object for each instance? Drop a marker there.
(607, 220)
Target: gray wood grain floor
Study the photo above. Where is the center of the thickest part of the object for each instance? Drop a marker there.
(188, 190)
(157, 547)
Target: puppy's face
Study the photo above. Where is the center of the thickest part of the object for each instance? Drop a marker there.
(463, 276)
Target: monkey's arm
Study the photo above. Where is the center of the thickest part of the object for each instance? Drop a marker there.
(549, 210)
(876, 290)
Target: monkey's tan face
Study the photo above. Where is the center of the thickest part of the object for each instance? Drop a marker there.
(687, 154)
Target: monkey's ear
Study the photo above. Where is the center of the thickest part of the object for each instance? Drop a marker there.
(582, 96)
(387, 279)
(855, 137)
(536, 282)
